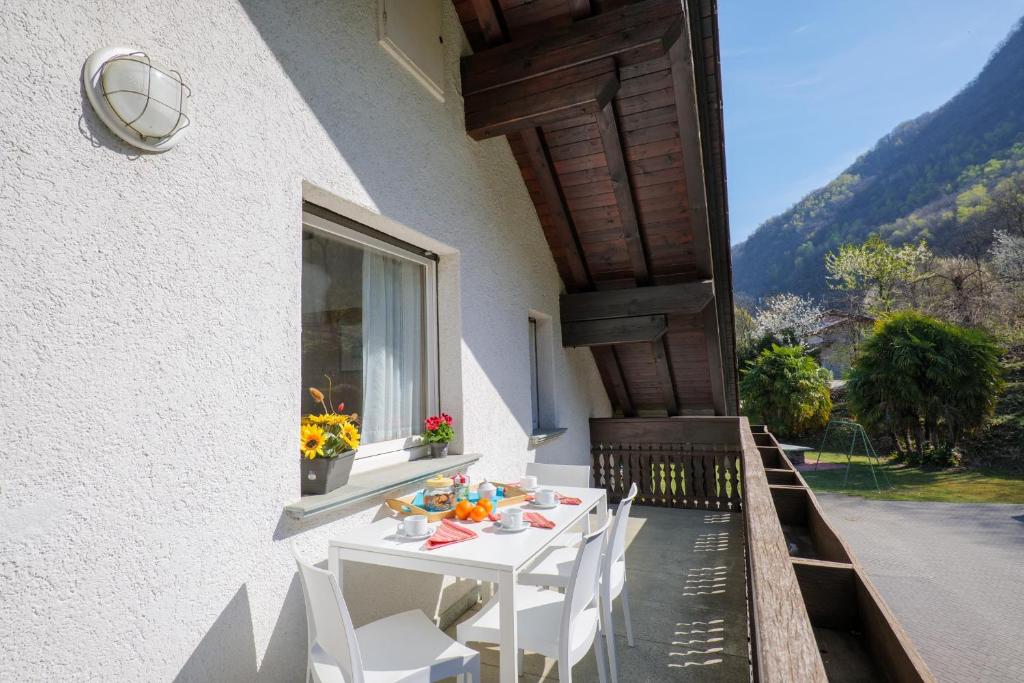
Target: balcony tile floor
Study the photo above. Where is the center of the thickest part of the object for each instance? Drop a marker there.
(687, 593)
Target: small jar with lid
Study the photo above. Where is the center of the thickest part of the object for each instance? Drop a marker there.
(461, 486)
(439, 494)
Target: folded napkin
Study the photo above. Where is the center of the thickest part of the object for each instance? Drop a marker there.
(449, 532)
(538, 520)
(534, 519)
(564, 500)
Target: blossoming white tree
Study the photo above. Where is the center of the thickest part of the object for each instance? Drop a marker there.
(787, 312)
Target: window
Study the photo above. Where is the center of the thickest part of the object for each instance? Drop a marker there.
(542, 372)
(534, 376)
(369, 323)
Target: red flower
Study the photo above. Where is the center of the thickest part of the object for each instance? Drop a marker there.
(341, 407)
(447, 419)
(432, 423)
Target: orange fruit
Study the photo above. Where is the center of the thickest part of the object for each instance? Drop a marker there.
(486, 503)
(462, 509)
(478, 513)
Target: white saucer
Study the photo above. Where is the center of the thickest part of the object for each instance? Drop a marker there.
(499, 527)
(421, 537)
(544, 507)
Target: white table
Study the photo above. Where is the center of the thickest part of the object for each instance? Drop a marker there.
(493, 556)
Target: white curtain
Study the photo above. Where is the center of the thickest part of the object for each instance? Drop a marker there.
(393, 352)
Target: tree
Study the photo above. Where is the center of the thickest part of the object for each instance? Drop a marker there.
(787, 390)
(876, 269)
(745, 338)
(1008, 256)
(787, 313)
(924, 382)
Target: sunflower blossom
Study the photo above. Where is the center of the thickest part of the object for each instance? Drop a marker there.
(311, 442)
(350, 435)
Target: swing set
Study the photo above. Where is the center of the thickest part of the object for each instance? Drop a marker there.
(858, 432)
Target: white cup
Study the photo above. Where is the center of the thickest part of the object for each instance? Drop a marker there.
(545, 497)
(512, 519)
(528, 482)
(413, 526)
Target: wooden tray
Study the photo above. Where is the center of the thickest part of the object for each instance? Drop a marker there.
(403, 506)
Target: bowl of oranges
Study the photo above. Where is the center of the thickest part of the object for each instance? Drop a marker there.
(467, 511)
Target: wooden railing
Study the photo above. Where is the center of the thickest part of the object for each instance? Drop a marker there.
(805, 590)
(668, 475)
(782, 639)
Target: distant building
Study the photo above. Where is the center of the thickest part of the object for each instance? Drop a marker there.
(837, 339)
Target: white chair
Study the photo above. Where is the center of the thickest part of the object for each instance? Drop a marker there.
(563, 475)
(559, 626)
(402, 647)
(554, 566)
(560, 475)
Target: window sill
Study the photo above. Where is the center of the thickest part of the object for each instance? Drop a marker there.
(378, 482)
(545, 436)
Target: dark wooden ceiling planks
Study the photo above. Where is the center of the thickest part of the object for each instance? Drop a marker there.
(612, 108)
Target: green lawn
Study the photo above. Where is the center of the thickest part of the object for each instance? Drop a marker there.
(909, 483)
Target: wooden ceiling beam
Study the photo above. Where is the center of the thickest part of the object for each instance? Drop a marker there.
(643, 328)
(665, 383)
(621, 188)
(579, 8)
(684, 85)
(685, 89)
(577, 91)
(563, 242)
(716, 370)
(611, 375)
(490, 21)
(685, 298)
(649, 28)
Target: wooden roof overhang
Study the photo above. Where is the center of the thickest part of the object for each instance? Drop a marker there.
(613, 112)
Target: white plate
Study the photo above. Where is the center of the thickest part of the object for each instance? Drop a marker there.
(499, 527)
(544, 507)
(421, 537)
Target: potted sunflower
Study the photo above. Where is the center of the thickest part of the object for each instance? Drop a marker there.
(327, 445)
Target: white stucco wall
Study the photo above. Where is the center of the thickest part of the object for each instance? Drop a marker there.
(149, 325)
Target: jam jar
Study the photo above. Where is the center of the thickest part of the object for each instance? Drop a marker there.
(439, 494)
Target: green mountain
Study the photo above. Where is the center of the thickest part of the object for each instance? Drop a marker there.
(933, 177)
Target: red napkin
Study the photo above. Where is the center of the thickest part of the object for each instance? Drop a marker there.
(564, 500)
(449, 532)
(538, 520)
(534, 519)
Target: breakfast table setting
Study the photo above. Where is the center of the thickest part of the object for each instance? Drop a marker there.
(489, 532)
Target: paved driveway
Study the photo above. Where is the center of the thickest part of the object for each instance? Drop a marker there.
(953, 574)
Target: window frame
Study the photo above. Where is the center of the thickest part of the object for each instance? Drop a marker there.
(335, 229)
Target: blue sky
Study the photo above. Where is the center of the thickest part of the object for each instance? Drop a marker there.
(809, 85)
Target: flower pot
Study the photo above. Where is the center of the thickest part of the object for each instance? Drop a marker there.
(438, 450)
(321, 475)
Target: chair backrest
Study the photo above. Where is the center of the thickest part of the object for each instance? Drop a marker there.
(330, 626)
(560, 475)
(581, 592)
(617, 534)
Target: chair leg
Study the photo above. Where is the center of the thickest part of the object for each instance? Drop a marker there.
(609, 636)
(520, 663)
(564, 671)
(625, 614)
(601, 657)
(476, 670)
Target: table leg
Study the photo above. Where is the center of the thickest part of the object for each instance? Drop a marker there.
(334, 564)
(509, 656)
(602, 510)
